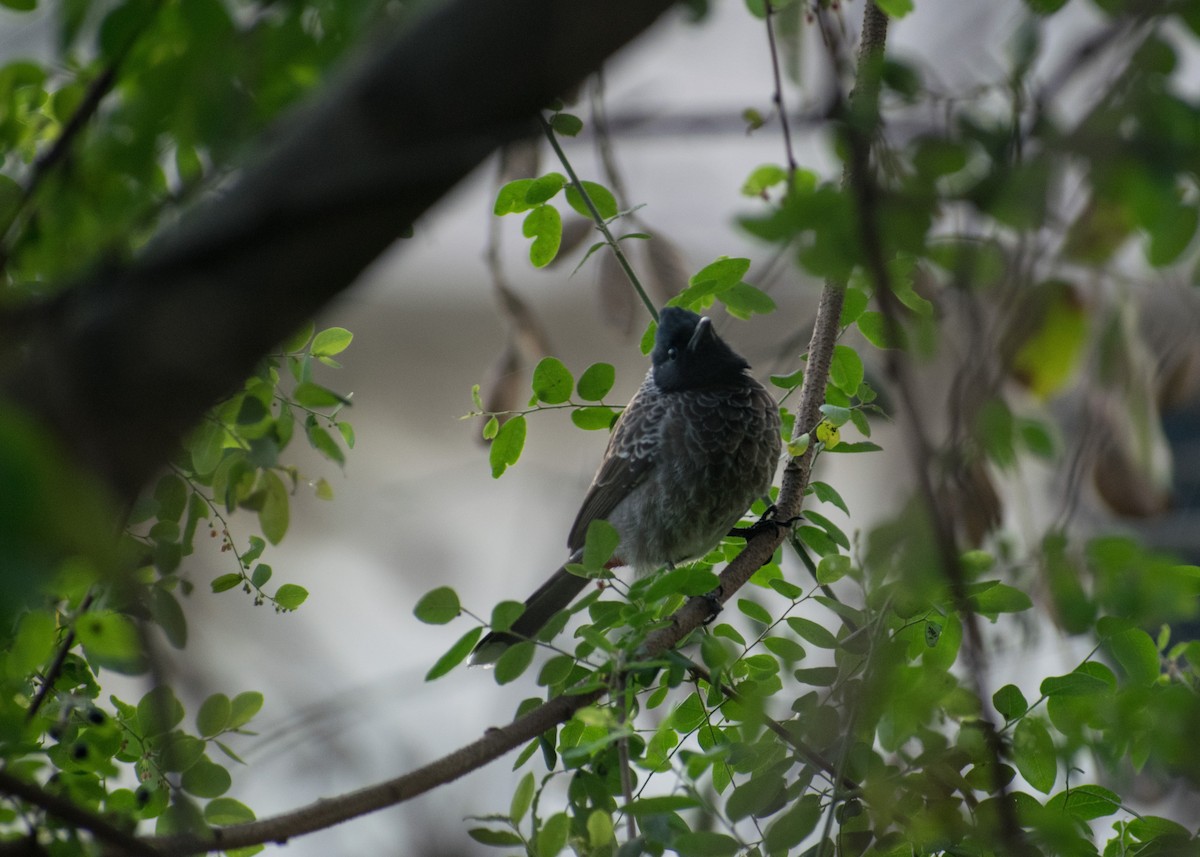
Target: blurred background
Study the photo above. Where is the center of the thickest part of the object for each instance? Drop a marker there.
(416, 507)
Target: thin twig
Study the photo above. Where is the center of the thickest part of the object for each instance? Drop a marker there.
(60, 659)
(780, 109)
(599, 220)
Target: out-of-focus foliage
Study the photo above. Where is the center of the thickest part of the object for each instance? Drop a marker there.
(136, 110)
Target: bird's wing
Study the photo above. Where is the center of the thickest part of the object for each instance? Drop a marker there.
(630, 456)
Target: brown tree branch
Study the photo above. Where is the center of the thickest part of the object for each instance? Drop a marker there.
(160, 341)
(70, 812)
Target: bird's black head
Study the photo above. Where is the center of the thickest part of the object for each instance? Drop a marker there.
(688, 354)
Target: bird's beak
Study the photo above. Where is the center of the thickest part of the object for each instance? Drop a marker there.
(702, 330)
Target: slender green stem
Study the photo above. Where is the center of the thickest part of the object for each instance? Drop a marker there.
(601, 224)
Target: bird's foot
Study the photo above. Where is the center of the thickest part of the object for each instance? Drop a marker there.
(713, 600)
(768, 521)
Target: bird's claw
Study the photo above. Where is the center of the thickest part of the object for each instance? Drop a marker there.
(767, 521)
(713, 599)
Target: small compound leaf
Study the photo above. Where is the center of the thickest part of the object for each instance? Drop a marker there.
(331, 341)
(507, 446)
(596, 381)
(455, 655)
(552, 382)
(290, 596)
(438, 606)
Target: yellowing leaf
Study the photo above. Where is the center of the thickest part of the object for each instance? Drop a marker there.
(1048, 359)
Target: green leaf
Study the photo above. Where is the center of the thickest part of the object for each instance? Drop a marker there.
(895, 8)
(323, 442)
(274, 515)
(507, 446)
(214, 714)
(510, 199)
(505, 613)
(455, 655)
(245, 706)
(816, 676)
(226, 810)
(347, 432)
(827, 494)
(762, 178)
(331, 341)
(438, 606)
(167, 612)
(1171, 235)
(207, 447)
(1076, 683)
(544, 188)
(566, 124)
(298, 340)
(498, 838)
(522, 798)
(755, 611)
(593, 418)
(552, 382)
(705, 844)
(33, 643)
(872, 326)
(1135, 651)
(556, 670)
(544, 226)
(1034, 755)
(789, 650)
(596, 381)
(743, 300)
(1010, 702)
(290, 596)
(600, 829)
(158, 711)
(854, 301)
(809, 630)
(794, 825)
(552, 838)
(1000, 598)
(601, 197)
(515, 660)
(111, 639)
(260, 575)
(206, 779)
(599, 543)
(788, 382)
(846, 370)
(644, 807)
(1086, 802)
(226, 581)
(832, 568)
(719, 275)
(755, 796)
(171, 494)
(312, 395)
(179, 752)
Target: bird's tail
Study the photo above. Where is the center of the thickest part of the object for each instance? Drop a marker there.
(552, 596)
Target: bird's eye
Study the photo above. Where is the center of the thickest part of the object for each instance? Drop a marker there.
(672, 353)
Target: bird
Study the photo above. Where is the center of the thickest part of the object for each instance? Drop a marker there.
(695, 446)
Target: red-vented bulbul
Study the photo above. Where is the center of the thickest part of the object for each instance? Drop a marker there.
(696, 445)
